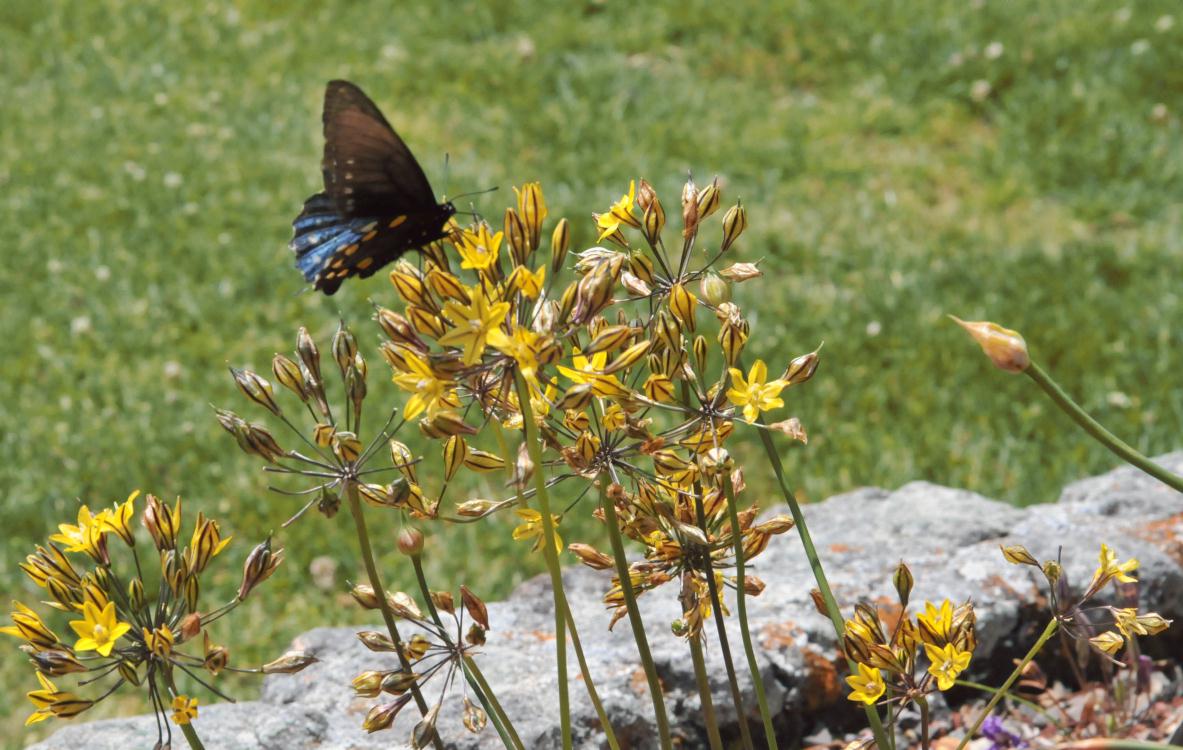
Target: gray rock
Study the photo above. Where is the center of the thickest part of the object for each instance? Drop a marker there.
(949, 538)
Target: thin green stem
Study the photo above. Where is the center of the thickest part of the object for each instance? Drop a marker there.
(1048, 632)
(551, 555)
(704, 694)
(819, 573)
(1106, 438)
(745, 734)
(1017, 699)
(592, 693)
(741, 608)
(367, 555)
(924, 721)
(484, 693)
(186, 728)
(634, 614)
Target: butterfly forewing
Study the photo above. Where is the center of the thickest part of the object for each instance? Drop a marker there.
(367, 167)
(377, 203)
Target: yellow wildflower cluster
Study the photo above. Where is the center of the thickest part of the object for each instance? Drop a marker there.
(889, 659)
(134, 630)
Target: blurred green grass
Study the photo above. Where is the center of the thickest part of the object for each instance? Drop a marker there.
(1019, 162)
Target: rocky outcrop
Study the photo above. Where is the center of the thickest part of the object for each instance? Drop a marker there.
(949, 537)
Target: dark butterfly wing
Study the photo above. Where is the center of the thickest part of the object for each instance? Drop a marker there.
(368, 170)
(331, 248)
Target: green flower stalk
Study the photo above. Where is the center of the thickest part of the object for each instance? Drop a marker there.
(1008, 351)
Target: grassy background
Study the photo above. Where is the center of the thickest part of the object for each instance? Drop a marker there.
(1020, 162)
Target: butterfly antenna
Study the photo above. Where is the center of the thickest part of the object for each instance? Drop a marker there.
(475, 192)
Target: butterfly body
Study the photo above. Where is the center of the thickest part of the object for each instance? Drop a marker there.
(377, 203)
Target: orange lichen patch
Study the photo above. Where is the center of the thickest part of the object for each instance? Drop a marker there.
(841, 549)
(823, 688)
(545, 636)
(889, 611)
(780, 635)
(1166, 534)
(638, 682)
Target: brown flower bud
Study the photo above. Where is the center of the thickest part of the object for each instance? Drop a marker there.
(259, 566)
(364, 595)
(216, 657)
(741, 272)
(591, 557)
(424, 731)
(290, 663)
(382, 716)
(375, 641)
(410, 542)
(802, 368)
(475, 718)
(398, 329)
(1005, 348)
(346, 446)
(368, 684)
(55, 663)
(689, 208)
(443, 600)
(475, 607)
(189, 627)
(397, 683)
(256, 388)
(652, 222)
(162, 523)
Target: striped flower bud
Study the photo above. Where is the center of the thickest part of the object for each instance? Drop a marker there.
(560, 241)
(259, 566)
(455, 451)
(287, 373)
(734, 222)
(517, 237)
(708, 199)
(532, 208)
(344, 347)
(256, 388)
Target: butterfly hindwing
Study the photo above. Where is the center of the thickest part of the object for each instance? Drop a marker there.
(331, 248)
(377, 203)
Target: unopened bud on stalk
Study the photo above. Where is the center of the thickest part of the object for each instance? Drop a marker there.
(1005, 348)
(734, 222)
(689, 208)
(652, 222)
(346, 446)
(410, 542)
(259, 566)
(560, 241)
(802, 368)
(1017, 554)
(308, 353)
(515, 234)
(708, 199)
(289, 663)
(287, 372)
(475, 606)
(364, 595)
(590, 556)
(256, 388)
(715, 289)
(344, 347)
(903, 581)
(532, 208)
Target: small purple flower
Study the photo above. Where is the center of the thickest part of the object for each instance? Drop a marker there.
(1000, 736)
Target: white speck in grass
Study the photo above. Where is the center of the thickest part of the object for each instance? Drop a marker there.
(233, 17)
(1164, 24)
(156, 69)
(1139, 47)
(392, 52)
(173, 180)
(1159, 113)
(226, 288)
(65, 403)
(980, 89)
(190, 209)
(102, 273)
(525, 47)
(1122, 15)
(160, 98)
(96, 113)
(135, 171)
(1119, 400)
(874, 328)
(80, 325)
(956, 59)
(994, 50)
(173, 369)
(54, 266)
(890, 199)
(224, 238)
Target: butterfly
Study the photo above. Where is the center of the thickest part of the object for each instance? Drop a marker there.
(377, 203)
